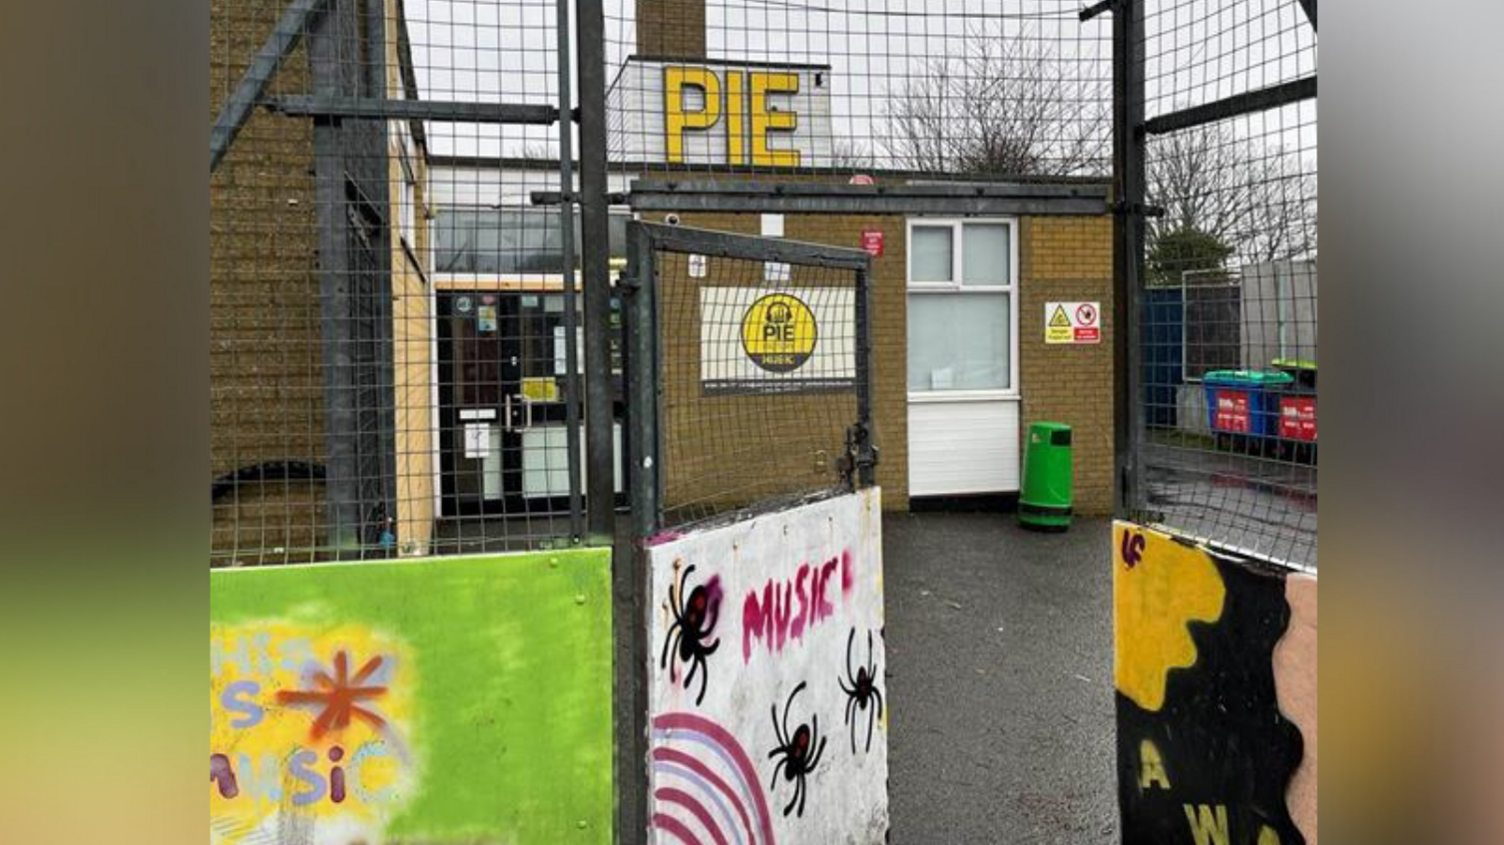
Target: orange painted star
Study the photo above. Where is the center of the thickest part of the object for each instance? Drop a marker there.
(339, 696)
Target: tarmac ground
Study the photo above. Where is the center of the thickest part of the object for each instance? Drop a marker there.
(999, 650)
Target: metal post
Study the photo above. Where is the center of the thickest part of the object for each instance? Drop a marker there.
(1128, 242)
(298, 18)
(642, 383)
(631, 578)
(571, 306)
(864, 455)
(595, 230)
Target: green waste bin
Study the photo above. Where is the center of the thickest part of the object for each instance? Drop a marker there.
(1045, 500)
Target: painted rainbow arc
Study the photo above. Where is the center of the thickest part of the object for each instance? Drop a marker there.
(706, 787)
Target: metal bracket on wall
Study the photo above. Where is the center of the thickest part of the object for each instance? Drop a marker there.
(431, 110)
(857, 465)
(1022, 198)
(1096, 9)
(1137, 208)
(1237, 105)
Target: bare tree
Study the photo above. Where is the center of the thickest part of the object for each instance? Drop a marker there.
(851, 155)
(1258, 199)
(1007, 106)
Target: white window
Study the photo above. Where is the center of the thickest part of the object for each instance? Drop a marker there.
(407, 191)
(962, 309)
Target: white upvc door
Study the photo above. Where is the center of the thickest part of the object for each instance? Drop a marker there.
(963, 356)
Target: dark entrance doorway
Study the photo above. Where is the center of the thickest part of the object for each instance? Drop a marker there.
(502, 394)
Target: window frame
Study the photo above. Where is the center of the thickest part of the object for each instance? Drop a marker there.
(521, 281)
(957, 287)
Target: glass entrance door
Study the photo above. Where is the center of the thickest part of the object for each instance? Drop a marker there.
(501, 395)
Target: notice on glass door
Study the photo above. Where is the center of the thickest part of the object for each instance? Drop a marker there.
(477, 441)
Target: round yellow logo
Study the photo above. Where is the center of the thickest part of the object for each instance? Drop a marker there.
(779, 332)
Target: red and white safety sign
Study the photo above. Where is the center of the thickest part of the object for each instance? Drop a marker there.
(1072, 322)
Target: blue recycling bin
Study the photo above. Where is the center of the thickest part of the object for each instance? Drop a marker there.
(1244, 402)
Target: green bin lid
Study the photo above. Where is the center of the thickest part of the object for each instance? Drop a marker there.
(1048, 426)
(1250, 378)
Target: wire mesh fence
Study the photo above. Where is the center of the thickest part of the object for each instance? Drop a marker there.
(396, 340)
(396, 366)
(751, 370)
(945, 90)
(1229, 355)
(394, 356)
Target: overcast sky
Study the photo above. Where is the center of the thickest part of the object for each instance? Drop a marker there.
(1200, 50)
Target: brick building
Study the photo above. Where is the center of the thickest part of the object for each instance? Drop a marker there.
(385, 374)
(320, 317)
(961, 364)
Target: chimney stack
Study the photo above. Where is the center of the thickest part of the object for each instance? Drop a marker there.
(671, 28)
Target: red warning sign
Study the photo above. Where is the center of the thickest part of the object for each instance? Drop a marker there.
(872, 242)
(1297, 418)
(1072, 322)
(1232, 411)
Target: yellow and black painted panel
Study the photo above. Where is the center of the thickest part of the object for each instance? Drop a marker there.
(1205, 754)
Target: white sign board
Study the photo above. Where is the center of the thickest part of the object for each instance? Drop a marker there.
(477, 440)
(709, 112)
(1072, 322)
(777, 340)
(768, 700)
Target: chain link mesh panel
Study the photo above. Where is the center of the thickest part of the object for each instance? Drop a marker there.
(755, 374)
(954, 90)
(390, 348)
(1229, 307)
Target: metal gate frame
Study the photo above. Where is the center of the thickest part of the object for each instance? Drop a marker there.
(350, 111)
(1130, 136)
(642, 369)
(643, 365)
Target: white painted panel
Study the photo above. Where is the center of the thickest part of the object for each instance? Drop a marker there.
(963, 447)
(545, 469)
(491, 465)
(776, 617)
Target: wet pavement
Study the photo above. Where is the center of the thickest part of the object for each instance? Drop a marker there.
(999, 644)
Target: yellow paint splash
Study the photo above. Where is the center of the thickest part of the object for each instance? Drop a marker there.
(259, 732)
(1159, 587)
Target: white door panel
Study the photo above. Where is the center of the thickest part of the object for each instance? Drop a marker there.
(963, 447)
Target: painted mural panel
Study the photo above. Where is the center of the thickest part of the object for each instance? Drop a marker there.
(448, 700)
(1216, 695)
(768, 699)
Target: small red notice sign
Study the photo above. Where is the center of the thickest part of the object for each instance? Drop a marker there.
(1297, 417)
(872, 242)
(1232, 411)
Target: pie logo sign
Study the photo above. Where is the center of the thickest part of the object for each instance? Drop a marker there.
(779, 333)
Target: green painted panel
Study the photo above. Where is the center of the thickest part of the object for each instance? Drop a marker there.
(446, 700)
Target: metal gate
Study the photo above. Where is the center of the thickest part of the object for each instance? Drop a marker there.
(1216, 245)
(749, 389)
(749, 374)
(396, 357)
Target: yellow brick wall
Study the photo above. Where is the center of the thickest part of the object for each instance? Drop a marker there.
(671, 28)
(266, 397)
(411, 336)
(1060, 258)
(1070, 258)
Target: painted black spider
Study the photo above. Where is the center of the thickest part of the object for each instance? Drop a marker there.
(862, 692)
(800, 752)
(694, 621)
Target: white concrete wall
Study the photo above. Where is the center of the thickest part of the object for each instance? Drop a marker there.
(791, 601)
